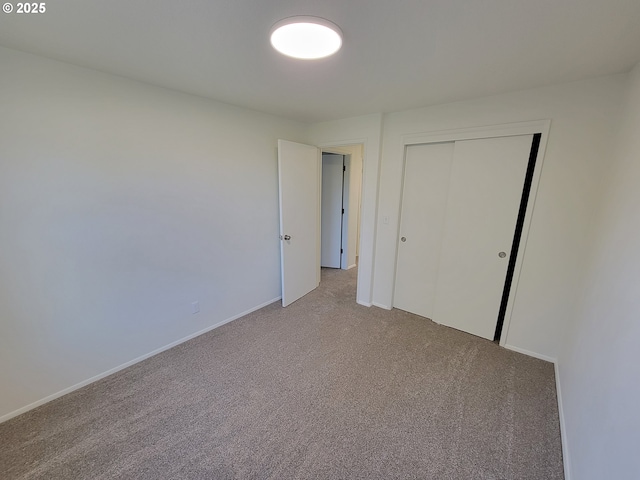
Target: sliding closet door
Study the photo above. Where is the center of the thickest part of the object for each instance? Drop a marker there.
(426, 181)
(485, 189)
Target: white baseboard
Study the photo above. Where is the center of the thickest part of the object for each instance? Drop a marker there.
(563, 429)
(352, 266)
(379, 305)
(531, 354)
(95, 378)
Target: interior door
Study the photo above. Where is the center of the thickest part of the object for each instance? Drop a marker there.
(332, 191)
(485, 189)
(299, 195)
(424, 199)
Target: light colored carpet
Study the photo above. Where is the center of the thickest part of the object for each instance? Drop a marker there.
(324, 389)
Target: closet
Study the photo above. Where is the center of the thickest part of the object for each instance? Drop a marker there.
(463, 206)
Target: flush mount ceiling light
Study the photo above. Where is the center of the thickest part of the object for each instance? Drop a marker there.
(306, 37)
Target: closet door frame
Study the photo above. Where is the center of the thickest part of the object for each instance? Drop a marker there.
(492, 131)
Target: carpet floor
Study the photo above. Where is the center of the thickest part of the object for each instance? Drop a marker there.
(323, 389)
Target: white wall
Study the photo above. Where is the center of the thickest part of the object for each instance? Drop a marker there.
(599, 361)
(365, 130)
(580, 141)
(120, 204)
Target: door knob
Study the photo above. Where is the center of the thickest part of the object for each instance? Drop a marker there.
(502, 254)
(403, 239)
(287, 237)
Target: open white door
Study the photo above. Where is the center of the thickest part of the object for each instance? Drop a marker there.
(299, 193)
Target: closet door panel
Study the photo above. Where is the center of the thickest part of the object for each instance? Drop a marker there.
(425, 189)
(485, 190)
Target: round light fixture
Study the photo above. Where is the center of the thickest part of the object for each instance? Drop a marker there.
(307, 38)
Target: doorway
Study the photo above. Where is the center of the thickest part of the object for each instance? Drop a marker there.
(300, 197)
(332, 219)
(341, 198)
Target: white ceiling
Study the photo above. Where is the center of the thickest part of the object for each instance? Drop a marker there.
(397, 54)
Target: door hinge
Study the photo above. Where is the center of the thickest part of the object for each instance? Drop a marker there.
(344, 168)
(343, 211)
(341, 251)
